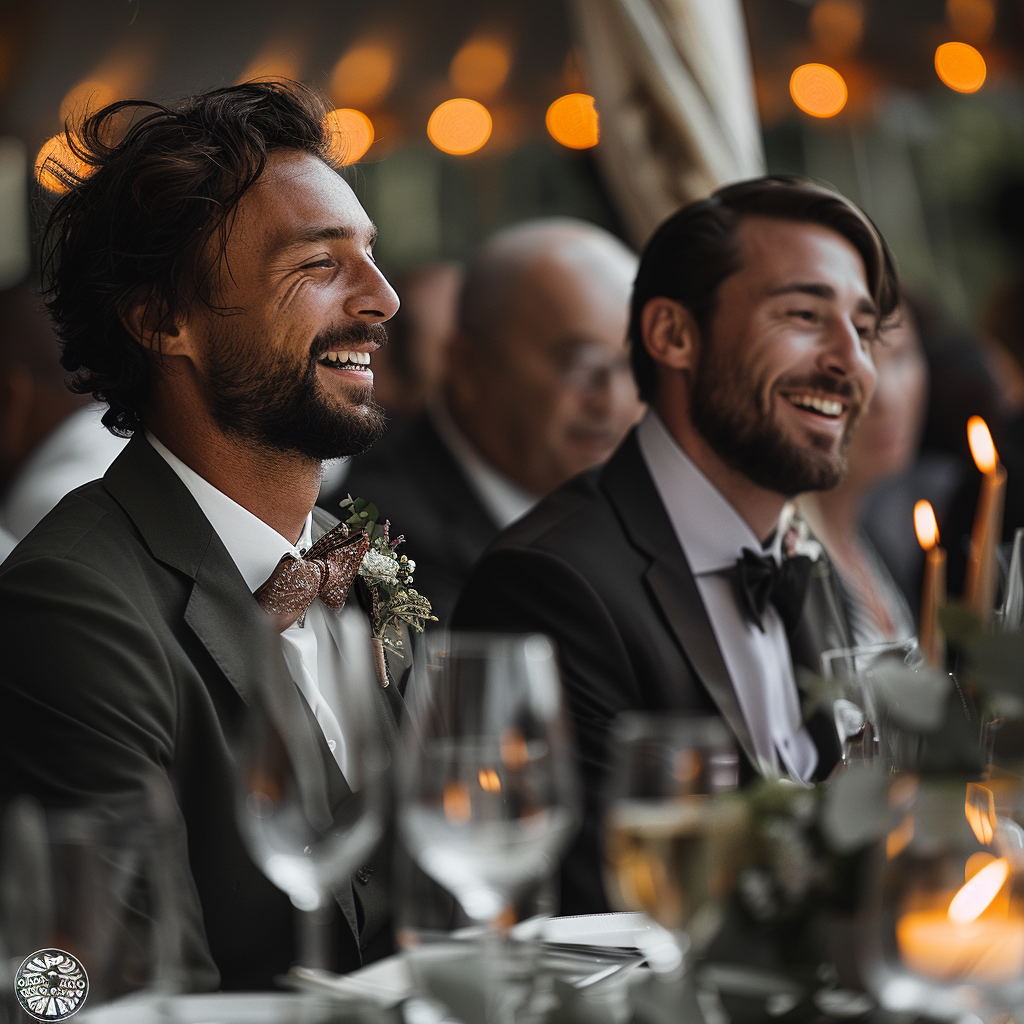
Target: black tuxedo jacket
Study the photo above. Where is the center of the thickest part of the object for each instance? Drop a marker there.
(597, 566)
(130, 644)
(416, 482)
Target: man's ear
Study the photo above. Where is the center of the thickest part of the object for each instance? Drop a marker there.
(150, 323)
(670, 333)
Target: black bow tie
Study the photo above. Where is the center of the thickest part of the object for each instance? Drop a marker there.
(760, 579)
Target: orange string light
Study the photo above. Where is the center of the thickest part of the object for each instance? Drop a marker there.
(351, 134)
(960, 66)
(459, 126)
(572, 121)
(818, 90)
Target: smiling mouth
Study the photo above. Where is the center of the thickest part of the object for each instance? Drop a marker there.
(345, 360)
(828, 408)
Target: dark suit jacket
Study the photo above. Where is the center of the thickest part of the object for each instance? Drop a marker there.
(130, 644)
(597, 567)
(416, 482)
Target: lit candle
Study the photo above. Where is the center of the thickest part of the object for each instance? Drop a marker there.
(962, 941)
(933, 589)
(980, 580)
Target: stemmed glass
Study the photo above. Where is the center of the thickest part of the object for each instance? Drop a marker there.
(489, 795)
(308, 813)
(670, 827)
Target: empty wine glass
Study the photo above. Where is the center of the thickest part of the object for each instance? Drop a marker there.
(489, 795)
(87, 909)
(309, 813)
(670, 826)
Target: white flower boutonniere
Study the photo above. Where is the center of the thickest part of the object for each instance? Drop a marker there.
(389, 578)
(797, 538)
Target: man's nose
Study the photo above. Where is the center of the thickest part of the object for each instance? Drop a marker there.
(373, 299)
(847, 354)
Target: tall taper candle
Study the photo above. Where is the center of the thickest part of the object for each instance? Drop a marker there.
(980, 580)
(933, 588)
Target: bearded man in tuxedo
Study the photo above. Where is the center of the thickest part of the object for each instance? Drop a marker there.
(211, 279)
(671, 579)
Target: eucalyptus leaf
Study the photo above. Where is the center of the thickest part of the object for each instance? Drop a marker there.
(855, 810)
(912, 698)
(997, 662)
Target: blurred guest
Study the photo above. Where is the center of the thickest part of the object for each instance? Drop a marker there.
(538, 388)
(669, 578)
(884, 444)
(51, 440)
(408, 371)
(140, 614)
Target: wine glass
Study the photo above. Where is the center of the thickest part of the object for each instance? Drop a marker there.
(489, 796)
(671, 826)
(310, 813)
(944, 931)
(87, 909)
(1011, 612)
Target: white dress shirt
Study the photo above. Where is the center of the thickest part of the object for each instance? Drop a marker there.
(713, 535)
(76, 451)
(504, 500)
(329, 646)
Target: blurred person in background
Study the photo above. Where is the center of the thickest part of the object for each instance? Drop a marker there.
(51, 440)
(961, 384)
(884, 444)
(538, 388)
(408, 372)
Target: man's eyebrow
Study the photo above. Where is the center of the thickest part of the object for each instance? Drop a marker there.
(822, 291)
(329, 233)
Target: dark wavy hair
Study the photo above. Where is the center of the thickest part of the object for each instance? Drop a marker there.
(154, 185)
(695, 250)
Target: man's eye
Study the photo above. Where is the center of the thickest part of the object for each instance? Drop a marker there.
(325, 262)
(804, 314)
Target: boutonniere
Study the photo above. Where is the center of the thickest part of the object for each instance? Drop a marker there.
(797, 538)
(388, 576)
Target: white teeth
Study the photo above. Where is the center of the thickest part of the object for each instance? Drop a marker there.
(825, 406)
(341, 357)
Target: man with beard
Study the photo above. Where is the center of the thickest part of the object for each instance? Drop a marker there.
(667, 578)
(211, 279)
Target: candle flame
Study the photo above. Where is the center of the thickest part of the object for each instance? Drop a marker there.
(980, 811)
(983, 449)
(925, 526)
(489, 781)
(515, 753)
(973, 897)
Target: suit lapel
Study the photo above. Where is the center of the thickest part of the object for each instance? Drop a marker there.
(631, 491)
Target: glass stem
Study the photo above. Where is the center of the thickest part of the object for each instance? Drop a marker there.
(314, 937)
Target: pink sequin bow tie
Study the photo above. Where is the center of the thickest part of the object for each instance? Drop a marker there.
(325, 571)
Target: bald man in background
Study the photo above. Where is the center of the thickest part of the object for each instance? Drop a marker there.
(537, 389)
(51, 441)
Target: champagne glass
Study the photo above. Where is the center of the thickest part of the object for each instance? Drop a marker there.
(310, 813)
(671, 827)
(1011, 613)
(944, 931)
(489, 795)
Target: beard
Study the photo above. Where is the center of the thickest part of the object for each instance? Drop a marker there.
(726, 413)
(280, 404)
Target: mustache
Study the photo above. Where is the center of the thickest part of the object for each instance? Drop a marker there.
(332, 339)
(848, 389)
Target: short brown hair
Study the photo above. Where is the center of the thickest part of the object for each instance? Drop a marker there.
(135, 223)
(695, 250)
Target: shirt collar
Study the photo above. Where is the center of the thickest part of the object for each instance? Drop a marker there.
(710, 531)
(254, 547)
(504, 500)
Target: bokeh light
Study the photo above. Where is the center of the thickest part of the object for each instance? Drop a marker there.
(459, 126)
(281, 58)
(818, 90)
(972, 20)
(572, 121)
(480, 67)
(960, 66)
(57, 165)
(837, 25)
(85, 98)
(363, 75)
(351, 134)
